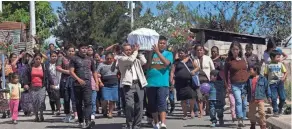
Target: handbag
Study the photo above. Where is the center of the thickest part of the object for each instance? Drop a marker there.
(195, 78)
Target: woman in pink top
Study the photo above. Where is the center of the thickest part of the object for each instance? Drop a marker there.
(37, 80)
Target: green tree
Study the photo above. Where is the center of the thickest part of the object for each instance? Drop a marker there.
(274, 19)
(172, 21)
(97, 23)
(19, 12)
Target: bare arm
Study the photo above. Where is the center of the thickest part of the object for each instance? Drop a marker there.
(16, 60)
(197, 68)
(111, 47)
(285, 56)
(73, 74)
(172, 74)
(163, 59)
(60, 69)
(59, 66)
(44, 56)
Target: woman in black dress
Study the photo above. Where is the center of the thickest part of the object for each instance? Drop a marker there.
(181, 76)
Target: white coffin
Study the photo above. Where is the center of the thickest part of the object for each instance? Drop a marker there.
(145, 37)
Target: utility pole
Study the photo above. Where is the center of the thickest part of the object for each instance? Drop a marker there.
(1, 9)
(32, 21)
(2, 58)
(132, 6)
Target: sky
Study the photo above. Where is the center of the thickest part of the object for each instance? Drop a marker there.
(146, 4)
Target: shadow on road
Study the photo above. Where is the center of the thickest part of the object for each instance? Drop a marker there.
(108, 126)
(225, 125)
(62, 127)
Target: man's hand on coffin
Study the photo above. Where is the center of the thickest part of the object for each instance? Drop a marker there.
(155, 48)
(136, 47)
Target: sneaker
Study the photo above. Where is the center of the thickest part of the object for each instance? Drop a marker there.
(67, 119)
(88, 125)
(58, 113)
(280, 112)
(240, 123)
(42, 119)
(162, 126)
(213, 125)
(76, 119)
(245, 118)
(4, 115)
(14, 122)
(92, 117)
(156, 126)
(80, 125)
(276, 114)
(221, 122)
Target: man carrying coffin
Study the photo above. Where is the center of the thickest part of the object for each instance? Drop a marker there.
(158, 82)
(133, 81)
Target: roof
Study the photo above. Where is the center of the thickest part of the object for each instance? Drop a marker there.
(206, 34)
(12, 26)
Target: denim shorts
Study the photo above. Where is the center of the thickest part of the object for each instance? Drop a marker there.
(157, 99)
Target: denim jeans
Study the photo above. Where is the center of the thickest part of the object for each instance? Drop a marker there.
(157, 99)
(93, 101)
(216, 107)
(121, 103)
(277, 89)
(196, 107)
(240, 100)
(83, 101)
(171, 100)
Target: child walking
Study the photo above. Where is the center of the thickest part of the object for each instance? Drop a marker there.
(257, 91)
(15, 93)
(276, 74)
(216, 98)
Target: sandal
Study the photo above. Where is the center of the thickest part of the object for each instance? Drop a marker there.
(110, 116)
(185, 118)
(192, 115)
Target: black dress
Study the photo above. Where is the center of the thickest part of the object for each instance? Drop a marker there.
(183, 81)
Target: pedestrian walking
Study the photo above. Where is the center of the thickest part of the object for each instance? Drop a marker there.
(81, 69)
(15, 93)
(158, 77)
(236, 69)
(133, 82)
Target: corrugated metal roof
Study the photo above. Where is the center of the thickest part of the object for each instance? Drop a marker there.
(12, 26)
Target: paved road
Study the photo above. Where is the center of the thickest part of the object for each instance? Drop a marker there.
(173, 122)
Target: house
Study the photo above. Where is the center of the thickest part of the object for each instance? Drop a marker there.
(15, 31)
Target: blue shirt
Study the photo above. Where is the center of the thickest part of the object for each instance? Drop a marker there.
(158, 74)
(217, 91)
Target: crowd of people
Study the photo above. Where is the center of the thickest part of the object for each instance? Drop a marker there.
(125, 78)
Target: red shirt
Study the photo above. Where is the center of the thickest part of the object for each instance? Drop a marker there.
(253, 89)
(37, 75)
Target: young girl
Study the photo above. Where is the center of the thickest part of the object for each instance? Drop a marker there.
(15, 91)
(53, 91)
